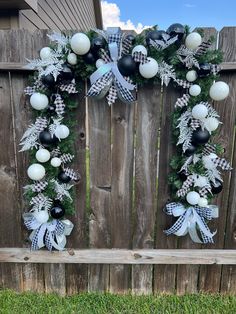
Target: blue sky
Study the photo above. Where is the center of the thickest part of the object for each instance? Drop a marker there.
(192, 12)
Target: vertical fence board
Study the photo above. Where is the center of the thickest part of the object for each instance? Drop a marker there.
(148, 115)
(164, 275)
(121, 189)
(210, 276)
(99, 115)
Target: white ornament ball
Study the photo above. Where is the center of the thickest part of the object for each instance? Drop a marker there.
(45, 53)
(219, 91)
(56, 162)
(193, 40)
(202, 202)
(139, 48)
(211, 124)
(72, 58)
(149, 69)
(80, 43)
(41, 216)
(99, 63)
(42, 155)
(199, 111)
(39, 101)
(36, 172)
(201, 181)
(193, 198)
(195, 90)
(191, 76)
(62, 131)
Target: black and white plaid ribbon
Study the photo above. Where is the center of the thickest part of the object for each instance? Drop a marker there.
(189, 220)
(182, 101)
(202, 49)
(59, 105)
(69, 88)
(65, 158)
(112, 95)
(126, 45)
(186, 186)
(74, 175)
(208, 149)
(222, 163)
(205, 190)
(38, 85)
(103, 82)
(183, 83)
(41, 123)
(215, 69)
(195, 124)
(138, 56)
(39, 186)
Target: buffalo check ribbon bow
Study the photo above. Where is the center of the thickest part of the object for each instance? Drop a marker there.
(108, 74)
(190, 219)
(51, 234)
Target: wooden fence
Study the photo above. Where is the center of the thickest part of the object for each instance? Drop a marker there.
(126, 203)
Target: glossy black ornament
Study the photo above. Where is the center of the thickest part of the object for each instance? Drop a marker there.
(154, 35)
(97, 43)
(217, 187)
(57, 211)
(190, 150)
(131, 38)
(204, 69)
(48, 80)
(89, 58)
(200, 136)
(182, 175)
(127, 65)
(176, 29)
(51, 109)
(46, 139)
(66, 74)
(62, 177)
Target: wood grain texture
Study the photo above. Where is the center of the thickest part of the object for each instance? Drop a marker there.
(148, 116)
(121, 190)
(99, 116)
(163, 282)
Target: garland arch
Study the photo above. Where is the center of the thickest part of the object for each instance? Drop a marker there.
(117, 64)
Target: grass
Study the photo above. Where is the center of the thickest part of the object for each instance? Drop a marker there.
(94, 303)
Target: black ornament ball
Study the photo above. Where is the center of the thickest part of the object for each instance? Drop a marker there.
(127, 65)
(217, 187)
(204, 69)
(182, 175)
(131, 38)
(51, 109)
(66, 74)
(48, 80)
(200, 136)
(154, 35)
(97, 43)
(176, 29)
(62, 177)
(46, 139)
(57, 211)
(190, 151)
(89, 58)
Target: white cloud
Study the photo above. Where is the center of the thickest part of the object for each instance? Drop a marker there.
(111, 18)
(189, 5)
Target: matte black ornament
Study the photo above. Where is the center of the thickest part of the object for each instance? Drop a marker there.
(154, 35)
(57, 211)
(182, 175)
(190, 150)
(176, 29)
(131, 38)
(48, 80)
(127, 65)
(200, 136)
(217, 187)
(62, 177)
(89, 58)
(66, 74)
(46, 139)
(204, 69)
(97, 43)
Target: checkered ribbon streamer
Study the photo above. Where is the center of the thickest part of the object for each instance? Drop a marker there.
(125, 94)
(138, 56)
(185, 187)
(50, 234)
(56, 152)
(112, 95)
(41, 201)
(39, 186)
(116, 38)
(126, 45)
(183, 83)
(69, 88)
(74, 175)
(104, 56)
(103, 82)
(202, 49)
(215, 69)
(29, 90)
(191, 220)
(41, 124)
(222, 163)
(195, 124)
(60, 105)
(208, 149)
(205, 190)
(65, 158)
(182, 101)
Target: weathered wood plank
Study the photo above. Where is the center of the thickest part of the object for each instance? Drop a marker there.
(99, 116)
(148, 117)
(163, 283)
(121, 189)
(210, 276)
